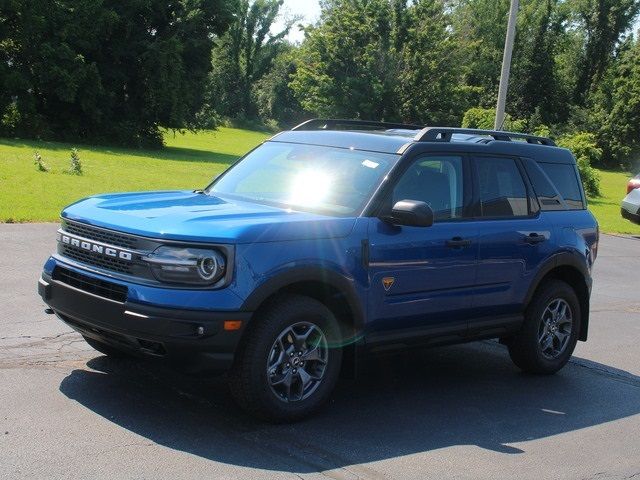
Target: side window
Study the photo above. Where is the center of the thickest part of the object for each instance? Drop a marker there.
(565, 179)
(436, 180)
(547, 194)
(502, 190)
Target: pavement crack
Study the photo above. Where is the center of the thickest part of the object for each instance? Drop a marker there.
(31, 337)
(124, 445)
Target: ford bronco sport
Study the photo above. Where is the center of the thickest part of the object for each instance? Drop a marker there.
(334, 239)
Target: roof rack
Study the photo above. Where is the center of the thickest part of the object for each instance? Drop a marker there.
(425, 134)
(333, 123)
(444, 134)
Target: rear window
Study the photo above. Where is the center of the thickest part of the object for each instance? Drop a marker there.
(565, 179)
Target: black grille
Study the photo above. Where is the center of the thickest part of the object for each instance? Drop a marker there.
(99, 235)
(101, 288)
(88, 258)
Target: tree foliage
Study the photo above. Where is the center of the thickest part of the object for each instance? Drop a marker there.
(381, 59)
(601, 24)
(584, 148)
(536, 87)
(103, 69)
(484, 119)
(479, 27)
(273, 97)
(429, 87)
(120, 71)
(620, 109)
(346, 65)
(244, 55)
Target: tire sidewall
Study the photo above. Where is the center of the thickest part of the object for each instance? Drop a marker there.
(317, 314)
(556, 290)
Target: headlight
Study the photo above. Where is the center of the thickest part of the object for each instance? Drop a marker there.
(191, 266)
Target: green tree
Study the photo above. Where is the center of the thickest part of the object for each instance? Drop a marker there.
(347, 65)
(107, 70)
(479, 27)
(537, 85)
(430, 88)
(244, 55)
(272, 95)
(535, 88)
(602, 24)
(620, 133)
(484, 118)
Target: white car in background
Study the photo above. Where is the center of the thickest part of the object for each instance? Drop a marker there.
(630, 208)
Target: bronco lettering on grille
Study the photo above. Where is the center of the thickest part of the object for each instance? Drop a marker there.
(94, 247)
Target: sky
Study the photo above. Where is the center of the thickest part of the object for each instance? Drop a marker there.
(309, 9)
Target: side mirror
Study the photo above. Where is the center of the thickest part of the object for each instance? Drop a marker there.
(411, 213)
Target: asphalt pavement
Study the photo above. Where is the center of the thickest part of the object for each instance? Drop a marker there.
(461, 412)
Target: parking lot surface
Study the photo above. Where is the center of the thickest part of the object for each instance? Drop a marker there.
(453, 412)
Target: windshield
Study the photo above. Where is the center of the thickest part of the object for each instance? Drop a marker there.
(306, 177)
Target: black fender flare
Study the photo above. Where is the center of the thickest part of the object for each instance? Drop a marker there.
(565, 259)
(344, 284)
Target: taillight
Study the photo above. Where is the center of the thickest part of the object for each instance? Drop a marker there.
(633, 184)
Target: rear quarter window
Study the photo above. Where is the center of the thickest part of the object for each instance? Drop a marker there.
(548, 196)
(565, 179)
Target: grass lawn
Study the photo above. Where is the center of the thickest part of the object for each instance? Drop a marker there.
(606, 208)
(188, 161)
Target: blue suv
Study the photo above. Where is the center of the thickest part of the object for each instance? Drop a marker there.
(331, 241)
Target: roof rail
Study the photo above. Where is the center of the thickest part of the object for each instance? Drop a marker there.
(444, 134)
(333, 123)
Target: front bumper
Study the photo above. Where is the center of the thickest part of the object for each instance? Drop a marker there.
(634, 217)
(194, 339)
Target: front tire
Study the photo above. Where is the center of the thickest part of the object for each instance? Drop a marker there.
(550, 330)
(289, 363)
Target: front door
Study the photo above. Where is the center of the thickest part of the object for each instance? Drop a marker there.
(422, 278)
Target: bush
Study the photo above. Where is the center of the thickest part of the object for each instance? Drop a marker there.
(39, 163)
(542, 131)
(75, 168)
(584, 148)
(484, 118)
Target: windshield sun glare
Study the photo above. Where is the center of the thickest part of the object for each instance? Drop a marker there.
(321, 179)
(310, 188)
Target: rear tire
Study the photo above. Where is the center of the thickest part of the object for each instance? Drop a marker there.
(550, 330)
(105, 349)
(289, 362)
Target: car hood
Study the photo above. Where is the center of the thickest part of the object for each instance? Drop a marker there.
(197, 217)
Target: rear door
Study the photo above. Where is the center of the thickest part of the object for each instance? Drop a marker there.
(422, 278)
(514, 239)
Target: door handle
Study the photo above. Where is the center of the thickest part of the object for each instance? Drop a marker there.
(457, 242)
(534, 238)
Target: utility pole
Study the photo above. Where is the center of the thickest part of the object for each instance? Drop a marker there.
(506, 65)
